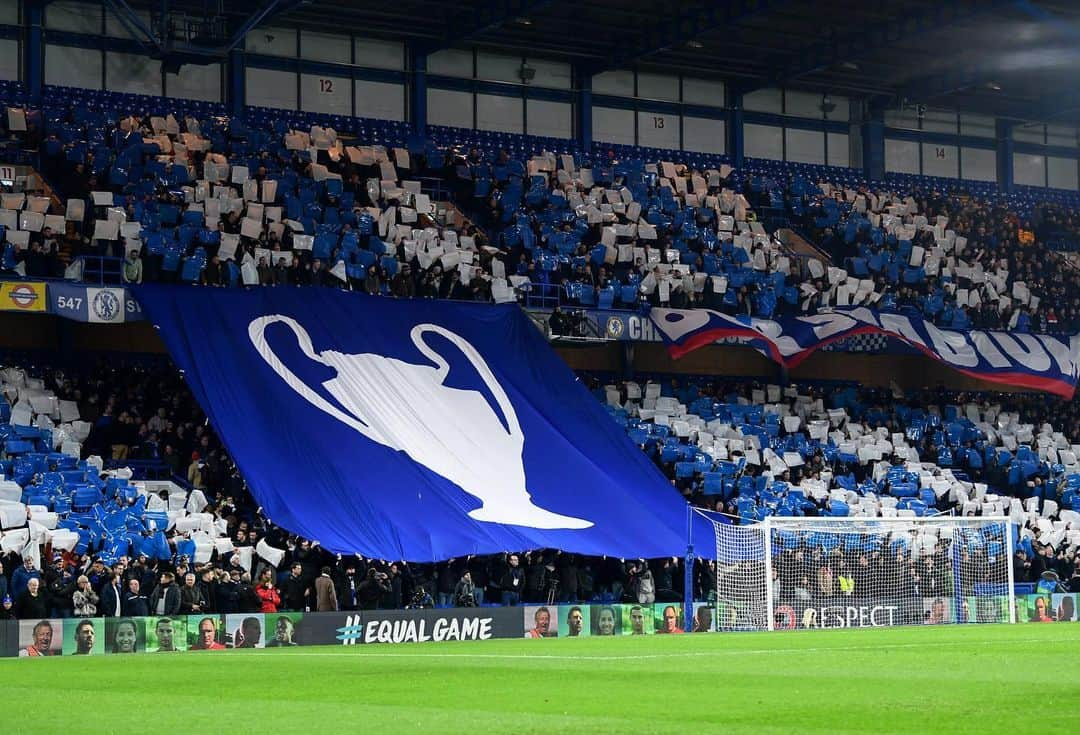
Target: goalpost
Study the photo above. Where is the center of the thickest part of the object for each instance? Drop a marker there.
(786, 573)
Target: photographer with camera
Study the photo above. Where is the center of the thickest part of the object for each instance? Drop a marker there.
(549, 582)
(421, 599)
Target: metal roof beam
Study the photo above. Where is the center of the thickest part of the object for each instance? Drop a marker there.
(135, 26)
(489, 17)
(687, 26)
(957, 79)
(826, 54)
(166, 49)
(967, 76)
(270, 9)
(1054, 106)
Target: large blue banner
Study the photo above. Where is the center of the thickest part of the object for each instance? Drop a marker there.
(413, 429)
(1039, 362)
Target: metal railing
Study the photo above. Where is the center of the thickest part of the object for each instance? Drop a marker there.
(435, 188)
(142, 469)
(543, 295)
(101, 270)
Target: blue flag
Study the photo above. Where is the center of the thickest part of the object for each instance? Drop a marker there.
(413, 429)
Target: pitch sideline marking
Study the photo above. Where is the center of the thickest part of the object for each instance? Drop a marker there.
(682, 654)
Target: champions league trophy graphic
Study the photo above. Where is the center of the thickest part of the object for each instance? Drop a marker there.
(454, 433)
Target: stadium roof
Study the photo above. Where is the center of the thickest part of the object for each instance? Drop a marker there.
(1016, 59)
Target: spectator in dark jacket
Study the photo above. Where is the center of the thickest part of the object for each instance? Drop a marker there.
(512, 581)
(165, 599)
(392, 599)
(228, 593)
(31, 603)
(249, 601)
(403, 286)
(59, 586)
(347, 584)
(294, 592)
(374, 586)
(372, 283)
(214, 273)
(21, 576)
(192, 599)
(282, 272)
(465, 592)
(112, 598)
(265, 272)
(136, 604)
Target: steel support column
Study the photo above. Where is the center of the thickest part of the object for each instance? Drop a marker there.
(583, 108)
(418, 90)
(34, 50)
(1003, 147)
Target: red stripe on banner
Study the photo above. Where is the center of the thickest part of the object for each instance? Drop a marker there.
(1033, 381)
(707, 337)
(796, 359)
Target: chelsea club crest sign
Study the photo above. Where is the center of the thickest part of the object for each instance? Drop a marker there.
(106, 306)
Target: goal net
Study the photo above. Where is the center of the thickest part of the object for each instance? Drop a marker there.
(788, 573)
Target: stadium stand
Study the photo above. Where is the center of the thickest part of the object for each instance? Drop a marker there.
(621, 227)
(167, 498)
(328, 327)
(306, 199)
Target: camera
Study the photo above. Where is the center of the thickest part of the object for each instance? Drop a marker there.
(420, 599)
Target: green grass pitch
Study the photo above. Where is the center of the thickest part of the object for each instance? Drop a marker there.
(950, 679)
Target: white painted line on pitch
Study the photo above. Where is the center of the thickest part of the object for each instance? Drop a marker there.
(644, 656)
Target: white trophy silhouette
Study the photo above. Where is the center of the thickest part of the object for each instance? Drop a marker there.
(454, 433)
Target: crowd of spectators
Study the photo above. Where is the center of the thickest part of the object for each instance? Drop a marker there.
(656, 233)
(660, 234)
(143, 411)
(1003, 276)
(1058, 224)
(1043, 486)
(880, 407)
